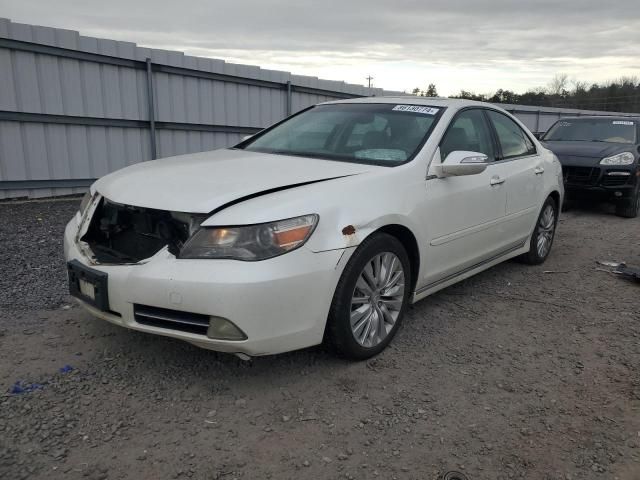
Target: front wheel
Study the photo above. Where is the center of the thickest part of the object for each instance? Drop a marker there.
(370, 298)
(629, 207)
(543, 234)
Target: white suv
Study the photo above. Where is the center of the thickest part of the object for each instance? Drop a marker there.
(325, 226)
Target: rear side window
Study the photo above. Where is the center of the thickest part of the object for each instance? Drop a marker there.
(468, 131)
(513, 140)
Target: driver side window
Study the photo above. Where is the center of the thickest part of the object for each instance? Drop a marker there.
(468, 131)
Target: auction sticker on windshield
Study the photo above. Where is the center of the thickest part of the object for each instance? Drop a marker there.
(621, 122)
(416, 109)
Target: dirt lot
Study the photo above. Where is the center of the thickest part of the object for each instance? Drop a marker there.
(515, 373)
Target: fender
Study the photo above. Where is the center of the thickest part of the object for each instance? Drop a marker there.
(349, 208)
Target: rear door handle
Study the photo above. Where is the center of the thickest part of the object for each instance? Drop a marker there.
(538, 170)
(496, 180)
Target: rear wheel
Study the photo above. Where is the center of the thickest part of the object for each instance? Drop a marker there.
(371, 298)
(543, 234)
(629, 207)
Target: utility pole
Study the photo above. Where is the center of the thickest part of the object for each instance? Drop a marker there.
(369, 78)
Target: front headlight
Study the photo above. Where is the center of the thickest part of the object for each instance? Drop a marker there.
(250, 242)
(624, 158)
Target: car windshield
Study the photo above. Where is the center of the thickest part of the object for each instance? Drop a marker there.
(593, 130)
(378, 134)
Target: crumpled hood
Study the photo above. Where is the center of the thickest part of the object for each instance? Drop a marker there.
(203, 182)
(597, 150)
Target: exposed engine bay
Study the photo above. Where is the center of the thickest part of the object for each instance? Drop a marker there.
(127, 234)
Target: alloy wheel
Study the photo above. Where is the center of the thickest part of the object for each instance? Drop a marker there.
(377, 299)
(546, 227)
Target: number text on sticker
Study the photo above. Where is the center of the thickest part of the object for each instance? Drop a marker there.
(416, 109)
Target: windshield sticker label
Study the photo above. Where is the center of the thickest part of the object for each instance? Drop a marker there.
(564, 124)
(620, 122)
(416, 109)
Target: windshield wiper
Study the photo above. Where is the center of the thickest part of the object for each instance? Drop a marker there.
(287, 152)
(322, 156)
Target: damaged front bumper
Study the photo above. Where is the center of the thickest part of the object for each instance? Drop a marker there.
(280, 304)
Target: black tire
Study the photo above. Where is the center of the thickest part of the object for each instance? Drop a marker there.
(629, 207)
(533, 256)
(339, 333)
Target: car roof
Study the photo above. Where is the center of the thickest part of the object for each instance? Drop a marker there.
(415, 100)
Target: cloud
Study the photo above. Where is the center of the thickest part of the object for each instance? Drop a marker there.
(498, 41)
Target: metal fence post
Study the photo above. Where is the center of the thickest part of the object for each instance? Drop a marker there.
(152, 110)
(289, 97)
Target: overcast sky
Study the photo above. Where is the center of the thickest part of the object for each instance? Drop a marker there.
(476, 45)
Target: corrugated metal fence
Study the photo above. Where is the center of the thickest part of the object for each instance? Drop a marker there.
(74, 108)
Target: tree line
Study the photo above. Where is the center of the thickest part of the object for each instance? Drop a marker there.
(621, 95)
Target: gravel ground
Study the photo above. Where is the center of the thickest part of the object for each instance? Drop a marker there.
(33, 276)
(515, 373)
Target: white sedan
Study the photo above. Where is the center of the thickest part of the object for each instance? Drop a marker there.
(323, 227)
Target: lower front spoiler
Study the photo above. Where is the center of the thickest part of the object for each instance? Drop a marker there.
(243, 349)
(615, 191)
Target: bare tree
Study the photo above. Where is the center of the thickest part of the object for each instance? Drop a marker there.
(558, 84)
(619, 95)
(579, 86)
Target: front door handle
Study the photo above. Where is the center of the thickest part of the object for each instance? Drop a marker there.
(496, 180)
(538, 170)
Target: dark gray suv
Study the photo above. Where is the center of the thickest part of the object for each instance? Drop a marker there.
(599, 156)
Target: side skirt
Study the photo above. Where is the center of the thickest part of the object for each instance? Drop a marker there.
(425, 291)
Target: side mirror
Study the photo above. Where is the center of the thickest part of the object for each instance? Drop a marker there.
(461, 162)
